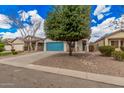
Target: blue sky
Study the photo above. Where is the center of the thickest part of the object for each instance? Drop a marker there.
(115, 11)
(101, 16)
(42, 9)
(13, 9)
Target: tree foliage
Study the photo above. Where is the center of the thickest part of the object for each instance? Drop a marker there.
(27, 29)
(68, 23)
(1, 45)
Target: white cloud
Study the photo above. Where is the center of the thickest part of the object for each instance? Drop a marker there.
(106, 9)
(23, 15)
(5, 22)
(107, 14)
(93, 21)
(40, 32)
(10, 35)
(106, 27)
(100, 16)
(100, 30)
(34, 18)
(32, 12)
(100, 9)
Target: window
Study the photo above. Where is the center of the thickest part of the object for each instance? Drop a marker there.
(114, 43)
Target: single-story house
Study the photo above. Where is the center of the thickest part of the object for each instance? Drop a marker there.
(115, 39)
(18, 44)
(50, 45)
(36, 41)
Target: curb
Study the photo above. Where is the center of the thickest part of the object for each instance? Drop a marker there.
(79, 74)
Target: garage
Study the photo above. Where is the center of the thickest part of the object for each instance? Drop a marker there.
(55, 46)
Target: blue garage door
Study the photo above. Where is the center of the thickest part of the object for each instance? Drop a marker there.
(55, 46)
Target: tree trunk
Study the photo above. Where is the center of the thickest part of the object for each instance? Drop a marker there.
(70, 44)
(70, 50)
(31, 48)
(27, 44)
(36, 46)
(30, 44)
(12, 47)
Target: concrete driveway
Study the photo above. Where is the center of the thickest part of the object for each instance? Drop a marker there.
(26, 59)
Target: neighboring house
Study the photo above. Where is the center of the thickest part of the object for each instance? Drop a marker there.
(36, 41)
(50, 45)
(115, 39)
(18, 44)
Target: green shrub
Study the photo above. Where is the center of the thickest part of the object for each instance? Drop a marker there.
(106, 50)
(118, 55)
(1, 47)
(122, 48)
(5, 53)
(14, 52)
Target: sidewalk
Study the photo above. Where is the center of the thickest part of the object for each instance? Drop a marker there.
(79, 74)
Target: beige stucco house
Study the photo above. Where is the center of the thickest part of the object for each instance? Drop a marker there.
(115, 39)
(80, 46)
(18, 44)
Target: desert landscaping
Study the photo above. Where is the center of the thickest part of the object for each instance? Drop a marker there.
(89, 62)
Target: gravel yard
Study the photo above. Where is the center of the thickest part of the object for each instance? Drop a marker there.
(90, 62)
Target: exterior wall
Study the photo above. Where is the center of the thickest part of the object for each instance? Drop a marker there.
(65, 46)
(117, 35)
(119, 45)
(106, 41)
(16, 47)
(96, 45)
(19, 47)
(101, 43)
(79, 45)
(17, 41)
(7, 47)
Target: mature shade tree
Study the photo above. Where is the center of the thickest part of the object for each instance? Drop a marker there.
(27, 28)
(68, 23)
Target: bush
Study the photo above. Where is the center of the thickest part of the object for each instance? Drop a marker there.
(5, 53)
(14, 52)
(1, 47)
(118, 55)
(122, 48)
(106, 50)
